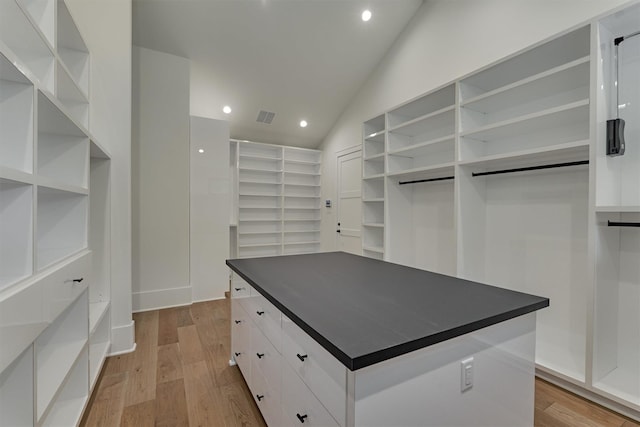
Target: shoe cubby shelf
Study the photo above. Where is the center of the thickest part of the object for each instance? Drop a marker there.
(277, 201)
(495, 177)
(54, 219)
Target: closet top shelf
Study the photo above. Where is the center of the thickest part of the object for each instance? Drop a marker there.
(421, 309)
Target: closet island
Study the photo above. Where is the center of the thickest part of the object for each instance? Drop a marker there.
(336, 339)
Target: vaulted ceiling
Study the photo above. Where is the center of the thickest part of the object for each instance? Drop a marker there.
(300, 59)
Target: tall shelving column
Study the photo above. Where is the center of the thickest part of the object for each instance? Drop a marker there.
(54, 220)
(259, 200)
(420, 186)
(616, 343)
(301, 201)
(528, 231)
(373, 187)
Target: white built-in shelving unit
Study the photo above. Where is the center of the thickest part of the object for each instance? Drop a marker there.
(278, 199)
(54, 220)
(502, 177)
(616, 322)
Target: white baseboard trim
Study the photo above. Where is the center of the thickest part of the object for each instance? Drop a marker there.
(123, 339)
(162, 298)
(210, 299)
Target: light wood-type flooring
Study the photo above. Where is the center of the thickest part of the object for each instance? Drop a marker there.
(179, 375)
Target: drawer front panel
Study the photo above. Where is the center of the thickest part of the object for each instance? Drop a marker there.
(265, 357)
(325, 376)
(267, 399)
(239, 288)
(268, 318)
(241, 339)
(299, 404)
(65, 284)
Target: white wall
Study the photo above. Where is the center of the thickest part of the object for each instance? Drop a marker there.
(106, 29)
(445, 40)
(210, 206)
(160, 165)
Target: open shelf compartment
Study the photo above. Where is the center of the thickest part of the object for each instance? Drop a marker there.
(16, 118)
(16, 391)
(72, 49)
(16, 232)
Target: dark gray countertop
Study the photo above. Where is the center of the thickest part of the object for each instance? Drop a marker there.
(364, 311)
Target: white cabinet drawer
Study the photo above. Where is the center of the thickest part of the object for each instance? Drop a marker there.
(239, 288)
(241, 339)
(65, 284)
(267, 399)
(325, 376)
(265, 358)
(299, 405)
(267, 317)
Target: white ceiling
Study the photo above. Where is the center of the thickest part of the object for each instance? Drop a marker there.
(301, 59)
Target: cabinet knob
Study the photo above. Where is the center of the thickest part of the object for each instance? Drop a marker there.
(302, 417)
(302, 356)
(259, 397)
(260, 313)
(260, 355)
(238, 322)
(237, 354)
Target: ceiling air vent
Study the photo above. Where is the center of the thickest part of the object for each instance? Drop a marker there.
(265, 117)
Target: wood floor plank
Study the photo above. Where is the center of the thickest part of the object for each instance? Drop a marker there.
(142, 414)
(190, 345)
(169, 363)
(171, 405)
(190, 378)
(238, 410)
(108, 404)
(203, 397)
(141, 386)
(168, 326)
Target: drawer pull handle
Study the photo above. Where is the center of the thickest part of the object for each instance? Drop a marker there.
(302, 417)
(260, 355)
(78, 280)
(302, 356)
(259, 313)
(238, 289)
(237, 354)
(238, 322)
(259, 397)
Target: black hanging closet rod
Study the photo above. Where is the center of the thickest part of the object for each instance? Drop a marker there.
(532, 168)
(444, 178)
(623, 224)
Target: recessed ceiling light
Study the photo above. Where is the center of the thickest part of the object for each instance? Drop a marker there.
(303, 123)
(201, 151)
(226, 109)
(366, 15)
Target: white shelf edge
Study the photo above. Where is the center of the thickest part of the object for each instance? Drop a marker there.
(376, 176)
(433, 168)
(259, 220)
(301, 173)
(252, 156)
(621, 208)
(313, 242)
(376, 249)
(303, 185)
(373, 224)
(97, 311)
(377, 200)
(291, 196)
(51, 184)
(245, 181)
(260, 245)
(16, 175)
(240, 168)
(423, 117)
(257, 233)
(423, 144)
(301, 208)
(260, 207)
(58, 104)
(526, 153)
(527, 80)
(527, 117)
(374, 157)
(302, 162)
(301, 231)
(36, 27)
(302, 220)
(259, 195)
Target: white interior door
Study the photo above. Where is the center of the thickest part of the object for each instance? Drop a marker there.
(349, 201)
